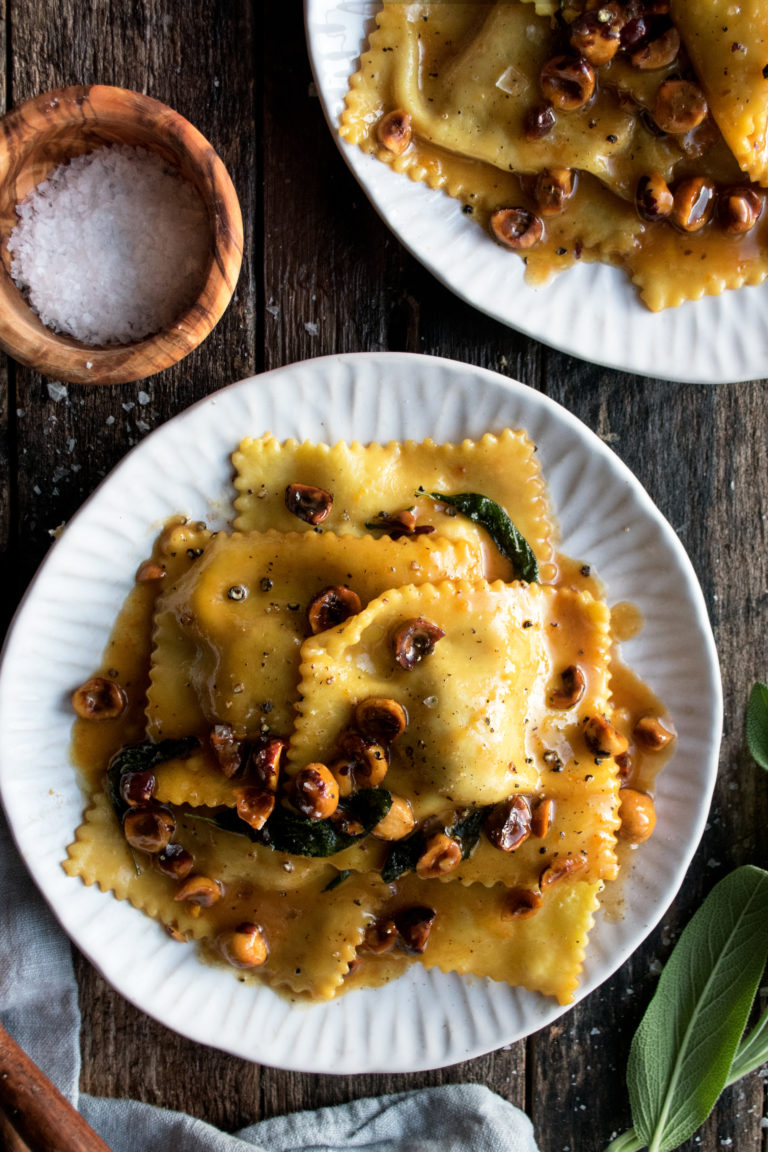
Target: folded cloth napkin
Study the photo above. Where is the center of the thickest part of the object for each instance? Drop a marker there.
(38, 1007)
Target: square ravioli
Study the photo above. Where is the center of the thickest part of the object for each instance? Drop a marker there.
(365, 481)
(228, 633)
(480, 721)
(309, 951)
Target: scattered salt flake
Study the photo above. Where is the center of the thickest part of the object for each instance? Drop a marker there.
(57, 391)
(311, 327)
(89, 363)
(143, 426)
(111, 247)
(109, 420)
(128, 406)
(20, 413)
(37, 490)
(143, 398)
(71, 444)
(712, 863)
(595, 1032)
(273, 309)
(764, 1122)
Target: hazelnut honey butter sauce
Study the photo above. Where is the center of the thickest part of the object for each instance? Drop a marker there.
(209, 885)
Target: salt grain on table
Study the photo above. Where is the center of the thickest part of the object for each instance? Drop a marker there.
(112, 247)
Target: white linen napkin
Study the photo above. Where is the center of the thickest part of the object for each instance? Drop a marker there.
(39, 1008)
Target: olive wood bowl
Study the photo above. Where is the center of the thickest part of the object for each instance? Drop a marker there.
(68, 122)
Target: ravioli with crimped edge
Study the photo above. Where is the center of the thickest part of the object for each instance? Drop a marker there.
(336, 741)
(630, 132)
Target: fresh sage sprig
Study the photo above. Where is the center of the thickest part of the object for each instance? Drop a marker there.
(757, 724)
(491, 516)
(690, 1044)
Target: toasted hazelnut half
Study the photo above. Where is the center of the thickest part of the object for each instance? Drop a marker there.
(508, 823)
(694, 201)
(653, 197)
(441, 855)
(572, 688)
(554, 187)
(637, 814)
(200, 891)
(414, 926)
(658, 52)
(149, 571)
(370, 760)
(312, 505)
(254, 805)
(739, 210)
(397, 823)
(343, 771)
(380, 718)
(99, 699)
(602, 738)
(679, 106)
(539, 121)
(516, 228)
(651, 733)
(332, 607)
(315, 793)
(560, 868)
(138, 788)
(395, 131)
(596, 36)
(380, 936)
(226, 748)
(150, 828)
(174, 861)
(415, 639)
(264, 764)
(244, 947)
(520, 903)
(542, 815)
(568, 82)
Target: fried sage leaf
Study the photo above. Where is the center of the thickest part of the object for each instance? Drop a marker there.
(142, 758)
(287, 831)
(404, 854)
(491, 516)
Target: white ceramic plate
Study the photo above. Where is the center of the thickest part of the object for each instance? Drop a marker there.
(425, 1019)
(591, 311)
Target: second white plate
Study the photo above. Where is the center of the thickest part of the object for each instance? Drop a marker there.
(426, 1019)
(591, 311)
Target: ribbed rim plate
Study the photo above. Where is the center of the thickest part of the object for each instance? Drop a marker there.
(423, 1020)
(591, 311)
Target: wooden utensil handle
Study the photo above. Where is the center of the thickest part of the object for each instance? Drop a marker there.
(37, 1110)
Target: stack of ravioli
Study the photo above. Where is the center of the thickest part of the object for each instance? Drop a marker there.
(481, 723)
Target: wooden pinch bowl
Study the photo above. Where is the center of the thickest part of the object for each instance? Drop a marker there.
(69, 122)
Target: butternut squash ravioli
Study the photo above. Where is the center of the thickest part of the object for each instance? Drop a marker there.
(373, 724)
(629, 132)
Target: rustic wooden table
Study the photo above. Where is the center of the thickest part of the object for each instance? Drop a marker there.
(321, 275)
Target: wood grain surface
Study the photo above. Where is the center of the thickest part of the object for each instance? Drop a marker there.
(322, 274)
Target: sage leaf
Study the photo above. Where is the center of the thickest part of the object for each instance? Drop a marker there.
(752, 1052)
(287, 831)
(757, 724)
(491, 516)
(682, 1052)
(465, 827)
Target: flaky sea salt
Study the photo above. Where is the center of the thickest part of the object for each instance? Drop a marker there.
(112, 247)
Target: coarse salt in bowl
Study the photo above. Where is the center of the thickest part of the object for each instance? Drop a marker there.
(161, 225)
